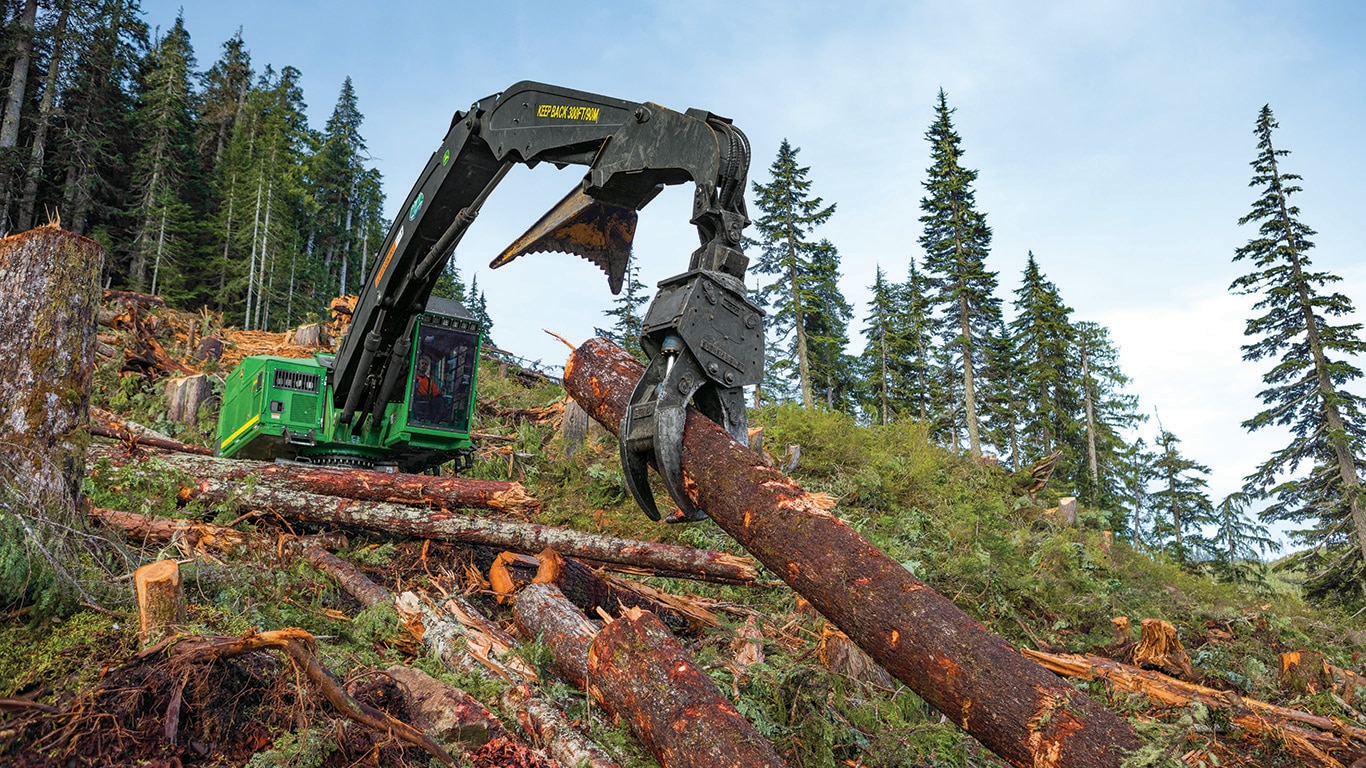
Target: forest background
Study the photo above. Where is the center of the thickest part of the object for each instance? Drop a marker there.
(1112, 142)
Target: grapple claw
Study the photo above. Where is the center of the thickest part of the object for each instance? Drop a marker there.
(638, 482)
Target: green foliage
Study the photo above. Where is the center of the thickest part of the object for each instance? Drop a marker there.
(307, 748)
(66, 653)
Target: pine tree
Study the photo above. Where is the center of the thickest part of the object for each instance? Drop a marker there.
(827, 323)
(337, 172)
(956, 240)
(788, 254)
(225, 88)
(1306, 387)
(479, 307)
(918, 391)
(1180, 503)
(1042, 335)
(1136, 472)
(1106, 412)
(627, 313)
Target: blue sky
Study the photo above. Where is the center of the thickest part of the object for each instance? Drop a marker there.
(1112, 139)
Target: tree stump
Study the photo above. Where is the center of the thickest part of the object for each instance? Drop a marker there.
(1067, 511)
(184, 395)
(161, 600)
(573, 427)
(311, 335)
(1303, 673)
(1159, 648)
(49, 294)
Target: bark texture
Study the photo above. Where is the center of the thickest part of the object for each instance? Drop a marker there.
(161, 599)
(359, 484)
(49, 293)
(666, 559)
(647, 678)
(1015, 707)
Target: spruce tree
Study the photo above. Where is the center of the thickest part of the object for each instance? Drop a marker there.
(1042, 335)
(338, 170)
(827, 323)
(1181, 505)
(1306, 386)
(918, 389)
(796, 264)
(956, 240)
(225, 88)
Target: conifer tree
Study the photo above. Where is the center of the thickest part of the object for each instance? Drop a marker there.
(1136, 473)
(338, 169)
(628, 313)
(1180, 503)
(1004, 406)
(796, 264)
(1042, 335)
(225, 88)
(956, 240)
(479, 307)
(1239, 542)
(827, 322)
(1106, 412)
(1316, 478)
(919, 390)
(166, 169)
(883, 348)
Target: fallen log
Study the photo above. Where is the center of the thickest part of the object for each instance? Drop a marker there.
(1015, 707)
(1337, 738)
(451, 715)
(49, 292)
(358, 484)
(591, 591)
(195, 537)
(136, 298)
(640, 673)
(663, 559)
(106, 424)
(449, 642)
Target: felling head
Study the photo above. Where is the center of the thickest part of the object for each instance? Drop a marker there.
(578, 224)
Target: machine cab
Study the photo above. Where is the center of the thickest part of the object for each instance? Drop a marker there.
(442, 373)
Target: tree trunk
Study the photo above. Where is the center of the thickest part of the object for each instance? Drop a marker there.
(1159, 648)
(667, 559)
(184, 395)
(359, 484)
(36, 154)
(1016, 708)
(106, 424)
(161, 600)
(14, 102)
(640, 673)
(646, 677)
(49, 294)
(453, 717)
(592, 591)
(450, 643)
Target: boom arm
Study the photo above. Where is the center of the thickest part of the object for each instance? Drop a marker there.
(632, 150)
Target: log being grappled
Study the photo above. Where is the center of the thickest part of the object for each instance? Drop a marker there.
(1016, 708)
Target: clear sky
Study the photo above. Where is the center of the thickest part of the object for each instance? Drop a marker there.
(1113, 139)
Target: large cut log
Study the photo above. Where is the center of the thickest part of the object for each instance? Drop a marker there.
(1016, 708)
(231, 488)
(1336, 737)
(49, 292)
(456, 647)
(360, 484)
(184, 395)
(640, 673)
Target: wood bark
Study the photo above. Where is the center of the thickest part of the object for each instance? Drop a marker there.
(357, 484)
(49, 292)
(1015, 707)
(194, 537)
(161, 599)
(449, 714)
(590, 590)
(1303, 673)
(666, 559)
(1340, 739)
(105, 424)
(38, 149)
(184, 395)
(640, 673)
(455, 647)
(670, 703)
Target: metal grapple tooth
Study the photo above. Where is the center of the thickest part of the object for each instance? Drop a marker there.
(599, 232)
(633, 466)
(669, 457)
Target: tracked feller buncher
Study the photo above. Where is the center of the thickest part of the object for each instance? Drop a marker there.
(400, 391)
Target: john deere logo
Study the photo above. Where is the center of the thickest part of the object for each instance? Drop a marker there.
(417, 206)
(446, 158)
